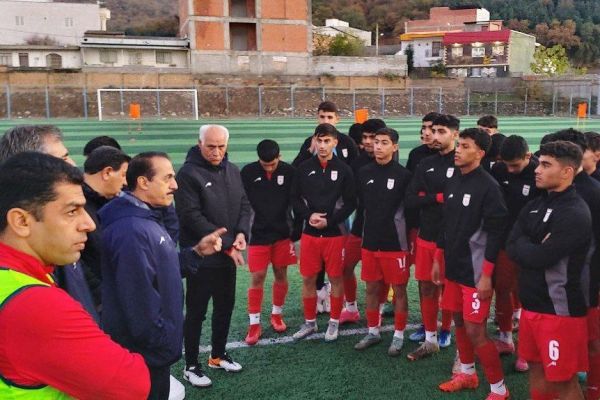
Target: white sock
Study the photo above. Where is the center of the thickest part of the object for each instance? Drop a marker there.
(468, 369)
(399, 334)
(506, 337)
(276, 309)
(498, 387)
(517, 314)
(381, 308)
(374, 330)
(334, 320)
(351, 306)
(254, 319)
(431, 337)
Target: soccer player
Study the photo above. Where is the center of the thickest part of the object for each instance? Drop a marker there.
(426, 195)
(268, 183)
(489, 124)
(550, 242)
(516, 176)
(382, 187)
(323, 195)
(591, 157)
(352, 252)
(470, 238)
(426, 148)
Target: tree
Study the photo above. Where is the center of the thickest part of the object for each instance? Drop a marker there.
(344, 45)
(410, 58)
(551, 61)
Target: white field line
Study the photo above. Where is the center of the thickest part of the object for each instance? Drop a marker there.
(314, 336)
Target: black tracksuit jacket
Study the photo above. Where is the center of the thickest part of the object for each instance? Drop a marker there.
(417, 155)
(357, 225)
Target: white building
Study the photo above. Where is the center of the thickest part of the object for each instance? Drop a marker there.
(64, 23)
(47, 57)
(335, 27)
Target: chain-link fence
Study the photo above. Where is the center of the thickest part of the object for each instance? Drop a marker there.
(294, 101)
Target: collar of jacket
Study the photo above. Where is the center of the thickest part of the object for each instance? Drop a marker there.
(194, 156)
(93, 196)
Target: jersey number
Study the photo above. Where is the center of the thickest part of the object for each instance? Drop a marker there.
(553, 351)
(475, 304)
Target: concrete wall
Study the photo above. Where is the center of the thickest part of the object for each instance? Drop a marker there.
(63, 22)
(91, 58)
(360, 66)
(250, 63)
(520, 55)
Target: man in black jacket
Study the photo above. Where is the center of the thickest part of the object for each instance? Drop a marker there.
(211, 195)
(550, 242)
(425, 149)
(268, 183)
(323, 196)
(470, 238)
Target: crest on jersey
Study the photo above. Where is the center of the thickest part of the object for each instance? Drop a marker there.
(526, 189)
(466, 200)
(280, 180)
(450, 172)
(345, 153)
(390, 184)
(547, 216)
(334, 175)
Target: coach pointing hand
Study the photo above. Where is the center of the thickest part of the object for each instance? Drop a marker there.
(210, 244)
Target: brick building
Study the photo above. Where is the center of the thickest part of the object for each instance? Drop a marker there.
(253, 37)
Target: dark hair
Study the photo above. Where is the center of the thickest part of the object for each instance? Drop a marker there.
(488, 121)
(592, 140)
(373, 125)
(355, 132)
(497, 141)
(326, 130)
(479, 136)
(570, 135)
(23, 138)
(514, 148)
(389, 132)
(32, 178)
(565, 152)
(547, 138)
(268, 150)
(100, 141)
(103, 157)
(430, 117)
(141, 165)
(447, 120)
(328, 106)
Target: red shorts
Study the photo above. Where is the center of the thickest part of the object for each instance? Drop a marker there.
(280, 254)
(593, 323)
(316, 251)
(457, 298)
(506, 274)
(391, 267)
(558, 343)
(352, 251)
(424, 259)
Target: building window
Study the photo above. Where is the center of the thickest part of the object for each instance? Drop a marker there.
(108, 56)
(478, 52)
(476, 72)
(20, 21)
(54, 61)
(68, 22)
(6, 59)
(242, 8)
(164, 57)
(436, 49)
(457, 52)
(23, 59)
(498, 50)
(135, 58)
(242, 36)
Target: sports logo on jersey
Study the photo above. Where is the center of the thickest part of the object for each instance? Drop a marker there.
(547, 216)
(258, 179)
(526, 189)
(370, 181)
(466, 200)
(312, 173)
(162, 240)
(450, 172)
(334, 175)
(430, 170)
(280, 180)
(208, 184)
(390, 184)
(345, 153)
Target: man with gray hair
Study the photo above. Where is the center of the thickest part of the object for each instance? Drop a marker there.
(46, 139)
(211, 195)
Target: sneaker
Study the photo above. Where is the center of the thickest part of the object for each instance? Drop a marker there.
(225, 363)
(369, 340)
(277, 323)
(418, 335)
(496, 396)
(332, 331)
(456, 364)
(460, 382)
(426, 349)
(388, 310)
(254, 332)
(521, 365)
(504, 348)
(306, 329)
(195, 376)
(176, 389)
(347, 317)
(395, 347)
(444, 339)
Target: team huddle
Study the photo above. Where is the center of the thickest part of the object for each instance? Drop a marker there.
(478, 215)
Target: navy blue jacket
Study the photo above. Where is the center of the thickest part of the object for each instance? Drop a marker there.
(142, 293)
